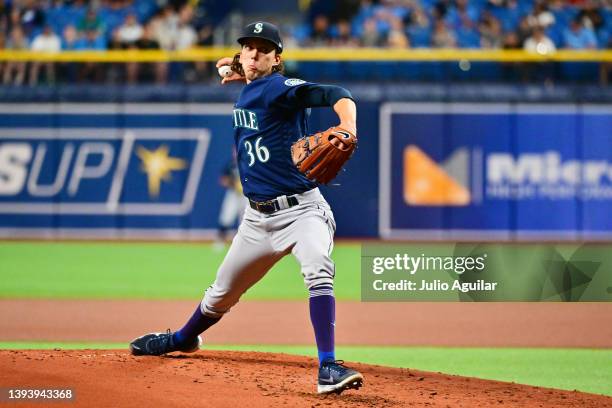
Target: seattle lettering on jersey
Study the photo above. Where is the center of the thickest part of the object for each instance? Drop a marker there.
(268, 117)
(245, 118)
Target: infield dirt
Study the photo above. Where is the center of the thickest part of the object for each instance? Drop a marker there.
(288, 322)
(112, 378)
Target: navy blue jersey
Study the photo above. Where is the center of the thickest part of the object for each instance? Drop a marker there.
(268, 117)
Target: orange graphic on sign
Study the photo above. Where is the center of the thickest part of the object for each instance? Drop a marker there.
(426, 183)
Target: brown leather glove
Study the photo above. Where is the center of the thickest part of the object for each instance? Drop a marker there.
(321, 156)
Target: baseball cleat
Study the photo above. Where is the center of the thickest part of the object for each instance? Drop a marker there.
(156, 344)
(335, 377)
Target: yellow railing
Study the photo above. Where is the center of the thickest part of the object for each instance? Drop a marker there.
(313, 54)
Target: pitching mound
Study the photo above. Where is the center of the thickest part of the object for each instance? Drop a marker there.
(238, 379)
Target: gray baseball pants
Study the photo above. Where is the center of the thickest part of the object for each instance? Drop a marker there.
(305, 230)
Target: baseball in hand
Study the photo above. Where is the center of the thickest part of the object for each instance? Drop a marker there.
(225, 71)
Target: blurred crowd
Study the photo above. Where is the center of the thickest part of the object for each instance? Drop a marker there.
(539, 26)
(54, 25)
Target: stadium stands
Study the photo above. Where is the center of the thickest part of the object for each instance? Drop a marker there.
(542, 26)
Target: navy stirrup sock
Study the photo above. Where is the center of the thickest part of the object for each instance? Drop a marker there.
(323, 316)
(197, 324)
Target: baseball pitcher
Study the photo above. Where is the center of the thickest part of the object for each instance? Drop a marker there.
(280, 170)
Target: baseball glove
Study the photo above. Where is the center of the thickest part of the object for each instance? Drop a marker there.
(321, 156)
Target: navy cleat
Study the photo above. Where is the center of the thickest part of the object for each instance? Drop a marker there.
(156, 344)
(335, 377)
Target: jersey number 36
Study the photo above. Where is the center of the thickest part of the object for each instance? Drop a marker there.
(260, 152)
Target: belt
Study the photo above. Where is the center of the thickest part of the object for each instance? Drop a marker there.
(272, 206)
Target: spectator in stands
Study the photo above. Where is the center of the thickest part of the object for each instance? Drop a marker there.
(131, 68)
(166, 28)
(511, 41)
(205, 36)
(387, 13)
(344, 37)
(442, 36)
(157, 71)
(91, 22)
(491, 35)
(397, 37)
(148, 41)
(579, 37)
(70, 37)
(418, 18)
(419, 29)
(575, 24)
(524, 30)
(5, 16)
(371, 37)
(16, 41)
(14, 19)
(31, 16)
(130, 31)
(541, 16)
(45, 42)
(319, 37)
(92, 41)
(591, 15)
(186, 35)
(440, 10)
(539, 43)
(462, 15)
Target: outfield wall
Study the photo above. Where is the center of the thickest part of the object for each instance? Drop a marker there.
(422, 171)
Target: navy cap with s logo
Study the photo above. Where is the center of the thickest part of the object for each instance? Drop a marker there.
(265, 31)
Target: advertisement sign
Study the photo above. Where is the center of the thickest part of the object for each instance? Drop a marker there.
(113, 170)
(495, 171)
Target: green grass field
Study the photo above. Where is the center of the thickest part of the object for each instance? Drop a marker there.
(183, 271)
(147, 271)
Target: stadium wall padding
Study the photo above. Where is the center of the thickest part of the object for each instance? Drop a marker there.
(481, 171)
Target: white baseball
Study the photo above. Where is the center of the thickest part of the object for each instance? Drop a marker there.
(225, 71)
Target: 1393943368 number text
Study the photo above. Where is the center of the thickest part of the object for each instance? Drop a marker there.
(17, 394)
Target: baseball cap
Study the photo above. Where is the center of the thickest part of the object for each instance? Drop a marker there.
(263, 30)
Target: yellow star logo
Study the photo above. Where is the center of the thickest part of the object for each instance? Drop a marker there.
(158, 166)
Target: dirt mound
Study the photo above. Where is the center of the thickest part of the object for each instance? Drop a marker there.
(238, 379)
